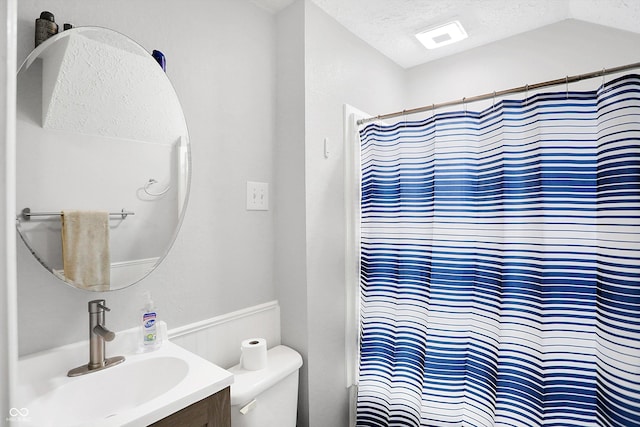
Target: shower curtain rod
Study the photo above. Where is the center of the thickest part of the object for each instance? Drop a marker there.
(566, 80)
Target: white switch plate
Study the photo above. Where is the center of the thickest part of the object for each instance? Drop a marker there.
(257, 196)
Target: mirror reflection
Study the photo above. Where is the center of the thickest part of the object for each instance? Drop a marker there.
(102, 159)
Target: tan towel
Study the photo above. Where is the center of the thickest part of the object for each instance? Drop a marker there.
(85, 249)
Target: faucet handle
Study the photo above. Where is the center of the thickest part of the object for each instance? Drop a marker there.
(98, 305)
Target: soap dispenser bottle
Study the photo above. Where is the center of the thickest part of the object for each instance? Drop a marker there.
(149, 326)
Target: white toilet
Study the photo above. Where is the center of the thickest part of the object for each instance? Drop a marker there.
(267, 397)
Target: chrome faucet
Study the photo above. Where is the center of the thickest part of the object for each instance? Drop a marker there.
(98, 334)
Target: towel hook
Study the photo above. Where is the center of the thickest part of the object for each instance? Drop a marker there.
(150, 183)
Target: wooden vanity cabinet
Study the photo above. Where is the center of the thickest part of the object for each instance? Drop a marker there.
(212, 411)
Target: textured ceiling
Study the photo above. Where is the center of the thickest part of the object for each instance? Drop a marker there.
(390, 25)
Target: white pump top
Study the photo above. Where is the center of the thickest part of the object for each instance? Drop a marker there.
(148, 302)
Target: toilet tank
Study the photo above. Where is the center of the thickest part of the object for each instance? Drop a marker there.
(267, 397)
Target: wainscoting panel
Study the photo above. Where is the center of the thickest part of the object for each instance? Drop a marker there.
(218, 339)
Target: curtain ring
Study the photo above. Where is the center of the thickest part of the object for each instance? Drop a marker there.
(566, 82)
(376, 122)
(404, 116)
(604, 72)
(493, 107)
(464, 103)
(433, 110)
(526, 95)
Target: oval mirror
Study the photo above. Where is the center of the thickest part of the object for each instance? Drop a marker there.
(103, 159)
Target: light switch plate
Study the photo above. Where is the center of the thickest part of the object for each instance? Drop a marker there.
(257, 196)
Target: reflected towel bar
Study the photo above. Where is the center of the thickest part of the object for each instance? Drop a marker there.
(27, 214)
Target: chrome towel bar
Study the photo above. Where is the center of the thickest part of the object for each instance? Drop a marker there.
(27, 214)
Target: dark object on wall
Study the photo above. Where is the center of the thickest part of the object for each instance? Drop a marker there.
(159, 56)
(66, 27)
(45, 27)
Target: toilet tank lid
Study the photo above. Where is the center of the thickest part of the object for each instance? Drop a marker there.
(281, 361)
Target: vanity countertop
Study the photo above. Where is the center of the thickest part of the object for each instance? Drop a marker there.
(143, 389)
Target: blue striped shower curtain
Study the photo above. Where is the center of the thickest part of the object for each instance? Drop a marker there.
(500, 264)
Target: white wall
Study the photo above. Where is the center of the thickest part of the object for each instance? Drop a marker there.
(314, 81)
(8, 334)
(566, 48)
(339, 69)
(290, 249)
(221, 61)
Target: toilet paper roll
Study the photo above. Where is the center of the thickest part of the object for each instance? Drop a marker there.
(254, 354)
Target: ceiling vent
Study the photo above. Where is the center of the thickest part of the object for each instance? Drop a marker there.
(442, 35)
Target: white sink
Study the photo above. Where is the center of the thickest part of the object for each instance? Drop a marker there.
(104, 394)
(144, 388)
